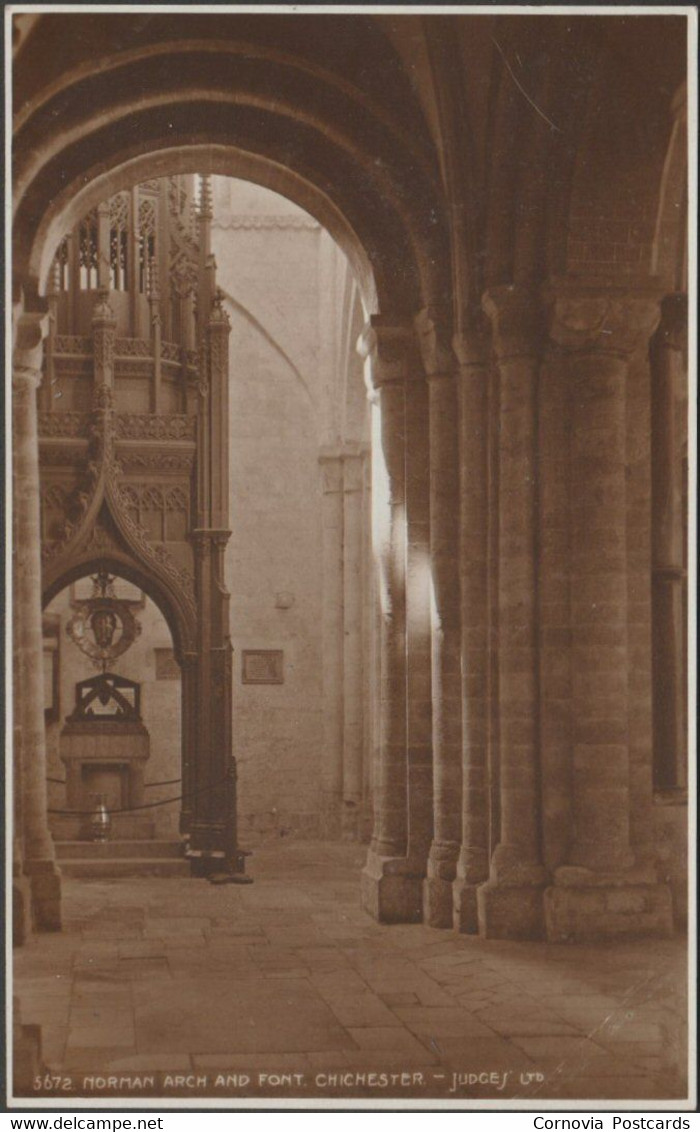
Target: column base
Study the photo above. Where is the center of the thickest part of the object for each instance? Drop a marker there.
(510, 911)
(437, 902)
(392, 889)
(582, 906)
(465, 913)
(26, 1054)
(45, 892)
(437, 888)
(216, 863)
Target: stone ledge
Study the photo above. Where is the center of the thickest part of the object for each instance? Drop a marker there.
(510, 911)
(597, 913)
(391, 891)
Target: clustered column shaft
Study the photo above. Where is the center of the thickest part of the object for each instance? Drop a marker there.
(38, 856)
(601, 887)
(440, 367)
(392, 880)
(510, 904)
(475, 377)
(342, 486)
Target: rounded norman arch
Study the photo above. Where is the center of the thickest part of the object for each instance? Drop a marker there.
(67, 209)
(287, 118)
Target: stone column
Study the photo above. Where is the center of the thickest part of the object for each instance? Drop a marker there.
(440, 368)
(213, 823)
(510, 902)
(668, 366)
(391, 882)
(104, 328)
(332, 552)
(21, 895)
(353, 715)
(419, 740)
(472, 348)
(369, 651)
(39, 863)
(46, 394)
(132, 266)
(599, 892)
(188, 717)
(104, 261)
(156, 337)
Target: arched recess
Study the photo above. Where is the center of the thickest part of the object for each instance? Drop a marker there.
(116, 562)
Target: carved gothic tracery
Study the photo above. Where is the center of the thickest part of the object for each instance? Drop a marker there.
(133, 426)
(119, 486)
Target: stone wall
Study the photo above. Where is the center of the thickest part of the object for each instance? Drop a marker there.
(670, 825)
(285, 282)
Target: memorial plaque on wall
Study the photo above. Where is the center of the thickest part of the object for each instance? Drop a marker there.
(262, 666)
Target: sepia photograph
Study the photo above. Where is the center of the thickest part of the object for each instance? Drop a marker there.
(350, 589)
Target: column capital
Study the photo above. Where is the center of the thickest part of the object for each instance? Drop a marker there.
(433, 339)
(673, 327)
(342, 466)
(202, 542)
(331, 463)
(595, 317)
(517, 320)
(353, 472)
(472, 341)
(28, 349)
(390, 344)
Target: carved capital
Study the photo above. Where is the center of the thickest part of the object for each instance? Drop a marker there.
(391, 346)
(433, 337)
(202, 543)
(220, 539)
(353, 472)
(331, 472)
(472, 342)
(673, 327)
(604, 320)
(25, 380)
(28, 352)
(517, 321)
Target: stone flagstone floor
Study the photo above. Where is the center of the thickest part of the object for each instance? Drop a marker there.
(287, 988)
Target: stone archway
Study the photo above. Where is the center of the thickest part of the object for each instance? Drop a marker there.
(390, 222)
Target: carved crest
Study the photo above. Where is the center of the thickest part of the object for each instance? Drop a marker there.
(103, 627)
